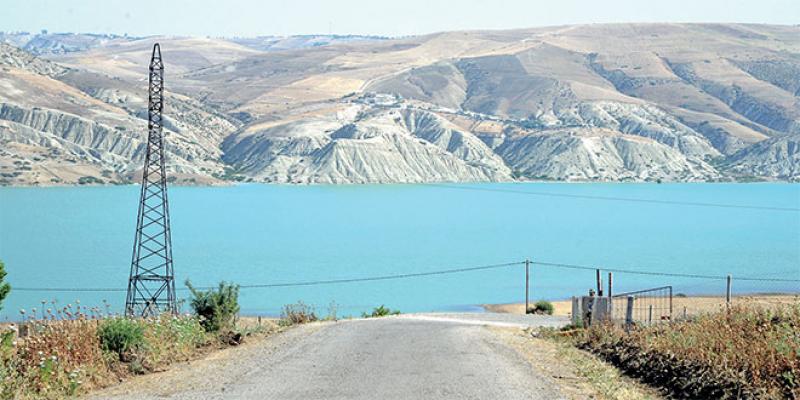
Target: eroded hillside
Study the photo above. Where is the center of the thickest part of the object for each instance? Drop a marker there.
(630, 102)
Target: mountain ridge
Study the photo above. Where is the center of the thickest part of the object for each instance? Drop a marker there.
(607, 102)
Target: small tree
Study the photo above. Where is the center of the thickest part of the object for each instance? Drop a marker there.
(217, 308)
(5, 288)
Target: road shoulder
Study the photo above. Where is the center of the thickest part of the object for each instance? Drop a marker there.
(576, 373)
(223, 365)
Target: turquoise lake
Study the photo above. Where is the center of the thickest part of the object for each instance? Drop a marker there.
(82, 237)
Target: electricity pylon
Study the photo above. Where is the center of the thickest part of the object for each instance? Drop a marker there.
(151, 287)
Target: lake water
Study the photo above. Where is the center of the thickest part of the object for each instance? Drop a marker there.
(262, 234)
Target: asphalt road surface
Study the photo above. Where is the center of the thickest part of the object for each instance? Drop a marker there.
(422, 356)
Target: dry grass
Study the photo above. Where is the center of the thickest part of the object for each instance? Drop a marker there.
(298, 313)
(560, 308)
(745, 352)
(60, 353)
(694, 305)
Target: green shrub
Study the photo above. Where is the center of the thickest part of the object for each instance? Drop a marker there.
(542, 307)
(217, 308)
(380, 312)
(121, 336)
(4, 287)
(298, 313)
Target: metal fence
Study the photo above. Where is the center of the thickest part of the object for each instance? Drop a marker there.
(643, 307)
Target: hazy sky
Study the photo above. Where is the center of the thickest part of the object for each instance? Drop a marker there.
(375, 17)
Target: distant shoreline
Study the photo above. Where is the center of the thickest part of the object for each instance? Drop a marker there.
(232, 184)
(694, 304)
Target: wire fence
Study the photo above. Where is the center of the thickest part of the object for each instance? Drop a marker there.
(643, 307)
(667, 302)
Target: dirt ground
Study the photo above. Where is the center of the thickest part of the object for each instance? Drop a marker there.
(692, 305)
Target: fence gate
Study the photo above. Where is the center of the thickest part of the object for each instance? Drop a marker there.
(643, 307)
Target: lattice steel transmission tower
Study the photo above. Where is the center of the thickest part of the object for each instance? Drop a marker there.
(151, 288)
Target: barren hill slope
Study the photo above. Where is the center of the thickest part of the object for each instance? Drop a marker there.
(670, 102)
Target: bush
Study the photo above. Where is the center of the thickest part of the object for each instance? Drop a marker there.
(121, 336)
(217, 308)
(298, 313)
(380, 312)
(542, 307)
(5, 288)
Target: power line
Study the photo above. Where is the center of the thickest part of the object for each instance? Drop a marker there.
(615, 198)
(656, 273)
(431, 273)
(64, 289)
(293, 284)
(386, 277)
(625, 271)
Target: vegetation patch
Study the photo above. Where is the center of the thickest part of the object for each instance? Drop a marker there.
(90, 180)
(5, 288)
(297, 313)
(746, 352)
(380, 311)
(217, 308)
(73, 349)
(121, 336)
(542, 307)
(64, 351)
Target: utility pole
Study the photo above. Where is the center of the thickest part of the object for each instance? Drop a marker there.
(151, 287)
(527, 282)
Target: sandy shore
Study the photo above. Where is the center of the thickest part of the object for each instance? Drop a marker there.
(693, 305)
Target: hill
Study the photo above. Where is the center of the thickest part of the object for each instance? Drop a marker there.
(619, 102)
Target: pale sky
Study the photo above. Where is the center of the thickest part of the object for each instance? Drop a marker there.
(366, 17)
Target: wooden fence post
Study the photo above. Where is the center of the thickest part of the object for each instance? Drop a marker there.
(728, 291)
(609, 284)
(599, 283)
(629, 312)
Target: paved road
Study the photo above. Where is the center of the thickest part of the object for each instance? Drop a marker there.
(424, 356)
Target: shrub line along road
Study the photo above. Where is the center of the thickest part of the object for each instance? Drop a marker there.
(417, 356)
